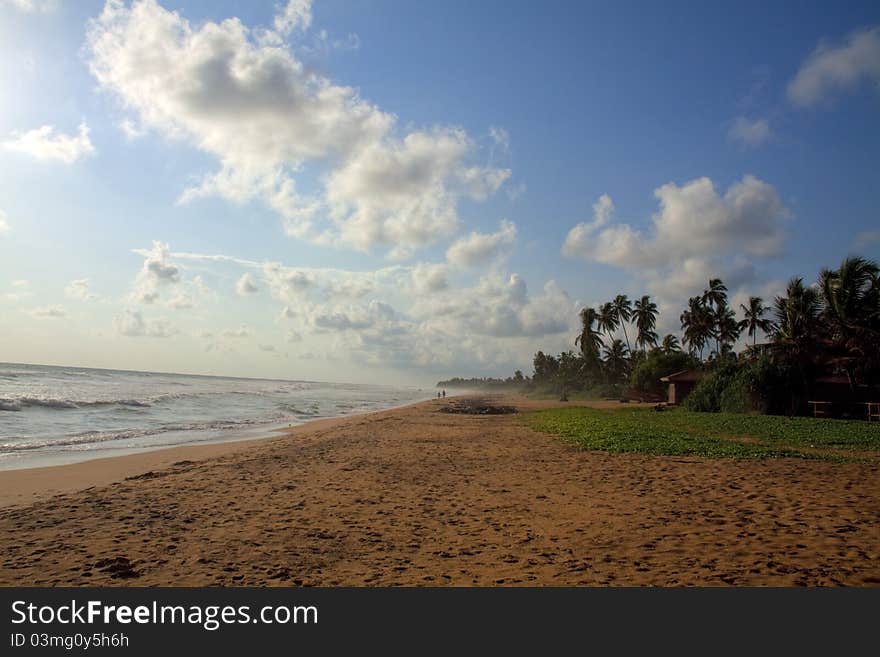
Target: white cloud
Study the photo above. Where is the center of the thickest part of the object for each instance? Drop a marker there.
(697, 234)
(45, 144)
(500, 136)
(131, 323)
(264, 117)
(694, 221)
(157, 271)
(838, 68)
(749, 132)
(246, 285)
(266, 347)
(79, 289)
(411, 316)
(295, 15)
(428, 278)
(32, 6)
(350, 318)
(49, 312)
(323, 44)
(4, 224)
(480, 248)
(499, 307)
(131, 130)
(405, 193)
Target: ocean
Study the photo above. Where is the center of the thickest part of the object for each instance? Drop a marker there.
(51, 415)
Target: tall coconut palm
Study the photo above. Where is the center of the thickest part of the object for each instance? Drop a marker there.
(622, 314)
(589, 339)
(616, 361)
(716, 294)
(797, 337)
(645, 316)
(606, 319)
(670, 344)
(850, 312)
(754, 319)
(696, 323)
(797, 315)
(727, 329)
(849, 294)
(715, 298)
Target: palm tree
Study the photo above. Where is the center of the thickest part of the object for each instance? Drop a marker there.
(606, 319)
(727, 329)
(670, 344)
(754, 319)
(796, 337)
(849, 294)
(716, 293)
(622, 314)
(696, 322)
(589, 339)
(715, 298)
(797, 313)
(645, 316)
(616, 360)
(850, 312)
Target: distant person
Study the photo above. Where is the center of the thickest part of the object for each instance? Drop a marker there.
(438, 395)
(444, 394)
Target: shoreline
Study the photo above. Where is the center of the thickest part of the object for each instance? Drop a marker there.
(21, 486)
(417, 497)
(45, 457)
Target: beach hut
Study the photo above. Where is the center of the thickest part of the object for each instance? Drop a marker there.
(681, 384)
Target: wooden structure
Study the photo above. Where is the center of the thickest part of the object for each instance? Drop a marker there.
(681, 384)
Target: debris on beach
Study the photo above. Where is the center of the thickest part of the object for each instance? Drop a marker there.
(477, 407)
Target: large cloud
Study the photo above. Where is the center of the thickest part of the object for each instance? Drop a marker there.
(696, 234)
(481, 248)
(242, 96)
(411, 316)
(837, 68)
(45, 144)
(694, 221)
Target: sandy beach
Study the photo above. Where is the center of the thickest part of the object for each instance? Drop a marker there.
(414, 496)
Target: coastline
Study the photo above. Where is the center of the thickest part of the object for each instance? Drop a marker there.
(30, 484)
(415, 497)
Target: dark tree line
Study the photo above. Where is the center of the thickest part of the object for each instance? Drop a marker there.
(829, 328)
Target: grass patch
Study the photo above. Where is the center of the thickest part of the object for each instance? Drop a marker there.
(678, 432)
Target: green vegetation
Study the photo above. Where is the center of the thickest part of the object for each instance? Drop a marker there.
(831, 329)
(680, 432)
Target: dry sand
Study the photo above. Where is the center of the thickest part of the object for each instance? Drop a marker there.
(413, 496)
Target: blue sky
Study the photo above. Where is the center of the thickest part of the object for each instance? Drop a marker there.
(400, 191)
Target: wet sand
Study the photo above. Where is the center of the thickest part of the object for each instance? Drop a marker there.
(414, 496)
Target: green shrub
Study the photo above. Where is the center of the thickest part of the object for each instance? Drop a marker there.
(706, 396)
(737, 397)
